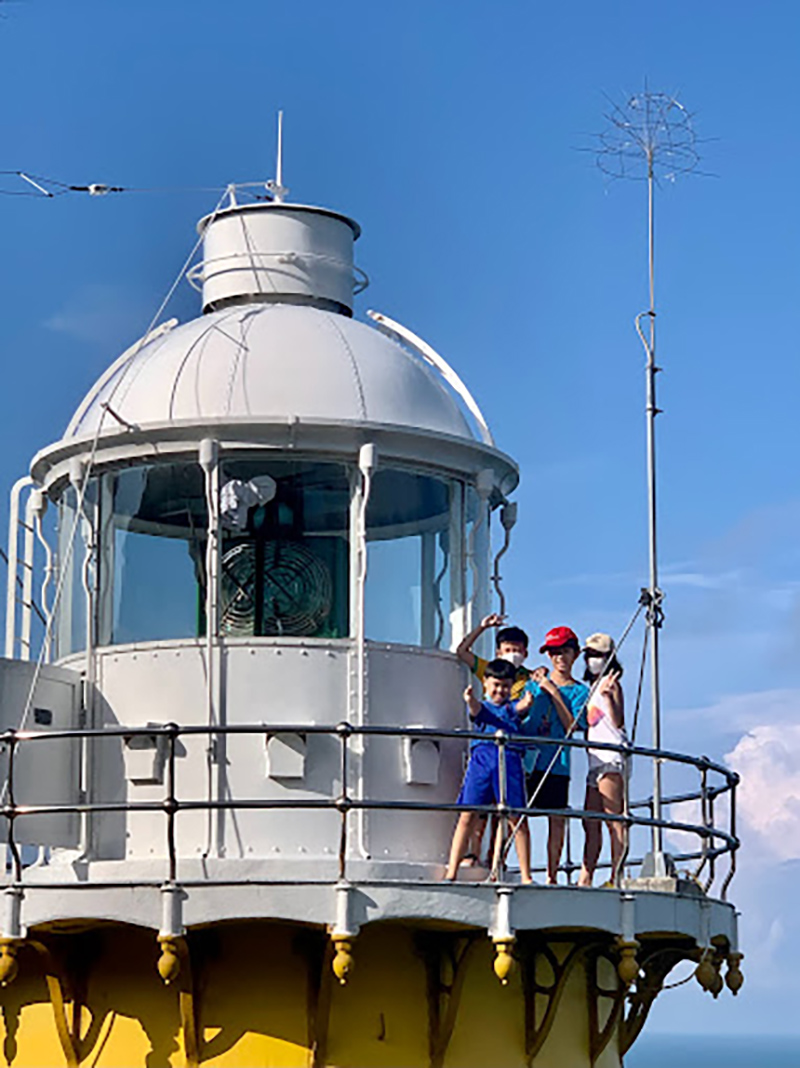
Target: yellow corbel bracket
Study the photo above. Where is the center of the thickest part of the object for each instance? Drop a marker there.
(343, 962)
(707, 972)
(628, 966)
(173, 951)
(175, 963)
(504, 958)
(734, 977)
(9, 966)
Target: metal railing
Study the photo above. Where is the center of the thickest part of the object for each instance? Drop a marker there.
(715, 781)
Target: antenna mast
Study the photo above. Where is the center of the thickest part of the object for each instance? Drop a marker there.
(650, 138)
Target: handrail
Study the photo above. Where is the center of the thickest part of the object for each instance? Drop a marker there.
(714, 842)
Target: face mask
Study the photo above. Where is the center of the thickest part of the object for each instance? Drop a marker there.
(513, 658)
(595, 664)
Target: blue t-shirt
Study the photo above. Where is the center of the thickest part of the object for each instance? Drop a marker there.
(542, 719)
(493, 718)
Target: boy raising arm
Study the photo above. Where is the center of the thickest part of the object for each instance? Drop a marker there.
(511, 644)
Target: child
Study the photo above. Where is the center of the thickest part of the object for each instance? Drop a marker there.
(482, 779)
(557, 702)
(511, 643)
(607, 768)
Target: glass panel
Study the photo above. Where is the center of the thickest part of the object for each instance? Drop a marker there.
(407, 595)
(285, 548)
(70, 631)
(477, 552)
(152, 554)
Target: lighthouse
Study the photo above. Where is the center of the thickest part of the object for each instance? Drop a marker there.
(230, 760)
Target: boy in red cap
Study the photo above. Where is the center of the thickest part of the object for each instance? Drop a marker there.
(558, 702)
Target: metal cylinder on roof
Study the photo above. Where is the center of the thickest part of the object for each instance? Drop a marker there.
(282, 253)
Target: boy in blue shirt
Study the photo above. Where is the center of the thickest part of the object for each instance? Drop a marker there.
(556, 710)
(481, 784)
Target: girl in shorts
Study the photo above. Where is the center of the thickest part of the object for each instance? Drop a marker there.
(605, 716)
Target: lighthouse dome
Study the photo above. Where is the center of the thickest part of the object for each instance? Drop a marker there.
(261, 361)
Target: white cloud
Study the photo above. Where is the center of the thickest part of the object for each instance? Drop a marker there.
(768, 801)
(99, 313)
(702, 580)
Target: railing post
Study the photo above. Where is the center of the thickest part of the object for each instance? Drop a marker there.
(344, 730)
(498, 852)
(170, 802)
(10, 808)
(712, 859)
(616, 876)
(734, 848)
(704, 817)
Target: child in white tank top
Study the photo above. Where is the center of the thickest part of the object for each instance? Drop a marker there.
(602, 728)
(607, 767)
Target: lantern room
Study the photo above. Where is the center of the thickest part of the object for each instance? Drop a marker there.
(271, 514)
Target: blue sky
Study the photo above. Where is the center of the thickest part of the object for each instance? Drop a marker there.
(452, 132)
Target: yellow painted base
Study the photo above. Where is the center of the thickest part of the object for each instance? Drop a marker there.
(264, 994)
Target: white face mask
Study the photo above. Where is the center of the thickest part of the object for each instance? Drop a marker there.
(513, 658)
(595, 664)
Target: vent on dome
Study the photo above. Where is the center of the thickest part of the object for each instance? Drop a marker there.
(280, 253)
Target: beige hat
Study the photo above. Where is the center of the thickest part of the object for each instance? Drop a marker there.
(602, 644)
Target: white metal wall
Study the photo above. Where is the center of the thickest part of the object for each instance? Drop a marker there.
(279, 682)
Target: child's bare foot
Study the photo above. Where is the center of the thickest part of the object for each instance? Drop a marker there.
(526, 880)
(449, 876)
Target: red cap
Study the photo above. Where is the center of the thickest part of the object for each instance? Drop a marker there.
(559, 636)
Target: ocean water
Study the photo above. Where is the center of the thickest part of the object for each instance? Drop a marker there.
(709, 1051)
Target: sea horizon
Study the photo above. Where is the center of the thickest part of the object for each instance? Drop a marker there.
(664, 1050)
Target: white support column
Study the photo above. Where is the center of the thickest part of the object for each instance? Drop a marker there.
(478, 602)
(367, 463)
(13, 563)
(85, 520)
(208, 457)
(427, 592)
(28, 542)
(458, 566)
(47, 578)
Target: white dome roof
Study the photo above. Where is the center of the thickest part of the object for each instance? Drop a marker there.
(264, 361)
